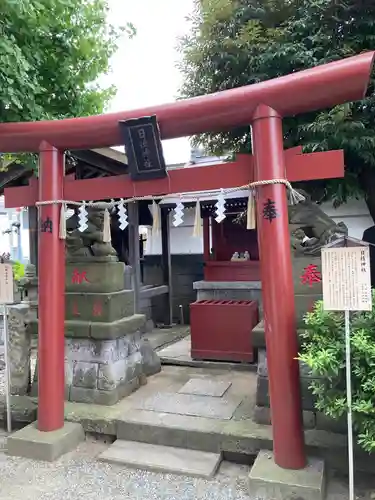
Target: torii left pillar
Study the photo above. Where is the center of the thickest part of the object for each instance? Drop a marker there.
(51, 264)
(51, 436)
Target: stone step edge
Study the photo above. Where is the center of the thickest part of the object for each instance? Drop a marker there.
(162, 459)
(221, 439)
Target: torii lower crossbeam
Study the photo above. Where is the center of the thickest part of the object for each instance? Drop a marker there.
(299, 167)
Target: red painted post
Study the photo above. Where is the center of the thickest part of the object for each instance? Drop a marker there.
(51, 292)
(278, 291)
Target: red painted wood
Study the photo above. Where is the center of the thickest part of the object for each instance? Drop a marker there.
(51, 268)
(316, 88)
(221, 329)
(234, 237)
(299, 167)
(232, 271)
(278, 293)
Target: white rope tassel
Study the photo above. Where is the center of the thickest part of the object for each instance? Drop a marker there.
(295, 197)
(155, 217)
(62, 226)
(251, 211)
(197, 231)
(106, 227)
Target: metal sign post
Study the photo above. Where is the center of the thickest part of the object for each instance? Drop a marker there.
(347, 287)
(6, 297)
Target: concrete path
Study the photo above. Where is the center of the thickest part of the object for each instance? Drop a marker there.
(178, 354)
(81, 476)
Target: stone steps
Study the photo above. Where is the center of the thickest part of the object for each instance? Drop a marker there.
(165, 459)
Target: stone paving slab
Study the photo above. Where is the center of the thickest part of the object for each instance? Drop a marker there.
(164, 459)
(205, 387)
(188, 404)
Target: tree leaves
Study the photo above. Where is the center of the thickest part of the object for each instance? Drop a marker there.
(258, 40)
(323, 350)
(51, 55)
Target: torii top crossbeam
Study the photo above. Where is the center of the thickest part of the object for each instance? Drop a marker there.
(317, 88)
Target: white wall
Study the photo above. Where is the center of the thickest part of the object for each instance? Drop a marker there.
(182, 239)
(354, 215)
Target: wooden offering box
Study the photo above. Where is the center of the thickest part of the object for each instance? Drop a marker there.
(221, 329)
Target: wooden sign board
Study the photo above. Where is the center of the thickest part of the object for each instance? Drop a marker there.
(346, 278)
(6, 284)
(143, 148)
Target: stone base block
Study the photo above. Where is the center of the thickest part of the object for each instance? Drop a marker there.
(105, 371)
(307, 275)
(23, 410)
(306, 378)
(268, 481)
(94, 277)
(102, 307)
(262, 415)
(77, 329)
(29, 442)
(19, 349)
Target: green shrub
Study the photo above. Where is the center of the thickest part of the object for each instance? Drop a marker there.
(323, 350)
(18, 270)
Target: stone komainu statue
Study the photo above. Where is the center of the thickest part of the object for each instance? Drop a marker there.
(311, 229)
(88, 243)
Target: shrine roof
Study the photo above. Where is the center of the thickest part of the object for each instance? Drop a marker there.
(85, 164)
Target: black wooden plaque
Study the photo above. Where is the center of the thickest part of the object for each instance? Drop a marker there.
(143, 148)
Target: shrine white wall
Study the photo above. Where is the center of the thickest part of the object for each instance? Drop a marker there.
(354, 215)
(181, 238)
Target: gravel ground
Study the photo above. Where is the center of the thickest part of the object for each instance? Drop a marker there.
(80, 476)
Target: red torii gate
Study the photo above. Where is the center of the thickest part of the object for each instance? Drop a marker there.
(262, 105)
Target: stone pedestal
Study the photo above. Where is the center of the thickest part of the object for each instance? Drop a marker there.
(269, 481)
(19, 349)
(105, 356)
(307, 279)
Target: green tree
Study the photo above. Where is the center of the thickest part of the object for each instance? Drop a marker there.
(52, 53)
(239, 42)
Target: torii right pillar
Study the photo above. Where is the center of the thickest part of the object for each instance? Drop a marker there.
(278, 291)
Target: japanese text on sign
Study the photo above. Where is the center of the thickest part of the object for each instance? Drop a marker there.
(6, 284)
(142, 141)
(144, 148)
(346, 279)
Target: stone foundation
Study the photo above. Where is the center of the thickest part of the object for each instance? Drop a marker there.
(105, 371)
(106, 358)
(19, 349)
